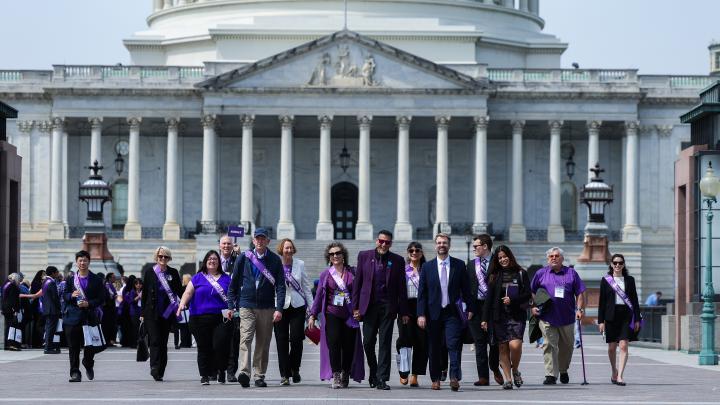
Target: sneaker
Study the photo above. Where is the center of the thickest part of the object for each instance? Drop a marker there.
(244, 380)
(336, 382)
(231, 378)
(205, 380)
(284, 381)
(260, 382)
(550, 380)
(344, 379)
(89, 372)
(564, 378)
(382, 385)
(75, 377)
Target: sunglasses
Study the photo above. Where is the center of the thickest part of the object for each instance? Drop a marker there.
(338, 253)
(411, 251)
(618, 263)
(384, 242)
(164, 257)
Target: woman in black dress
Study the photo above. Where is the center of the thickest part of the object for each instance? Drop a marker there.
(506, 307)
(618, 314)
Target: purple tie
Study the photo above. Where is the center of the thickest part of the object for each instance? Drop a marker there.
(444, 284)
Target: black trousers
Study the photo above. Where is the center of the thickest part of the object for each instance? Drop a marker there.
(483, 359)
(232, 366)
(212, 335)
(341, 343)
(289, 336)
(10, 321)
(158, 332)
(109, 323)
(76, 342)
(410, 335)
(377, 323)
(51, 322)
(181, 335)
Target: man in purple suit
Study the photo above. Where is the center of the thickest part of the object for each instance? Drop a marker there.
(378, 297)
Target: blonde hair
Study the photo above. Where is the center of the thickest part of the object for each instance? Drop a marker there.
(162, 250)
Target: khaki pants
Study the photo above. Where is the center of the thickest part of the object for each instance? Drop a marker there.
(255, 323)
(558, 347)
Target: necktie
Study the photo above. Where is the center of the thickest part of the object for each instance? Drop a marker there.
(444, 284)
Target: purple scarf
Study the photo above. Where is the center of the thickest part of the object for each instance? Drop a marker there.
(357, 370)
(623, 296)
(258, 264)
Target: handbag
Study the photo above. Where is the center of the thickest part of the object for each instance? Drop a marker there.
(94, 338)
(143, 354)
(403, 359)
(15, 335)
(313, 334)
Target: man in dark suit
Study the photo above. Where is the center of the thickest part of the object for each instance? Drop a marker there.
(477, 270)
(444, 286)
(379, 295)
(227, 263)
(51, 308)
(257, 292)
(80, 306)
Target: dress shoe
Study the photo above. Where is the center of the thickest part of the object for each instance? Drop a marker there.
(435, 385)
(372, 381)
(382, 385)
(284, 381)
(481, 382)
(498, 377)
(296, 377)
(550, 380)
(13, 348)
(221, 377)
(231, 378)
(244, 380)
(454, 384)
(443, 375)
(205, 380)
(155, 374)
(89, 372)
(413, 380)
(75, 377)
(260, 382)
(564, 378)
(344, 379)
(52, 351)
(403, 381)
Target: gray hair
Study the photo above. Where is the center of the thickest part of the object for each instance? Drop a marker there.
(555, 249)
(16, 278)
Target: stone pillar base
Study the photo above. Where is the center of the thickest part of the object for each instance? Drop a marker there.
(210, 227)
(285, 230)
(632, 234)
(364, 231)
(324, 231)
(171, 231)
(556, 234)
(403, 231)
(133, 231)
(479, 227)
(443, 227)
(517, 233)
(56, 230)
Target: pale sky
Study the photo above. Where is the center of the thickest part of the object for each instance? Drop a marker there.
(654, 36)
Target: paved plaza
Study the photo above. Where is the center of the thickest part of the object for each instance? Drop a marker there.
(654, 376)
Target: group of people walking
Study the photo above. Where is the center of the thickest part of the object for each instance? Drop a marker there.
(236, 298)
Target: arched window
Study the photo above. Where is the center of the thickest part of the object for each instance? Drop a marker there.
(119, 203)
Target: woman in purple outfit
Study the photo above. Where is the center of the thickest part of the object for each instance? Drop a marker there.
(341, 351)
(210, 322)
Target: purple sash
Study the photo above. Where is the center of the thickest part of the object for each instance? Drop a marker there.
(623, 296)
(257, 263)
(78, 287)
(482, 284)
(5, 287)
(111, 290)
(410, 275)
(218, 288)
(351, 321)
(294, 283)
(171, 310)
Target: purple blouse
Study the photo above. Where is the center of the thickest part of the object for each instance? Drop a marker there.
(206, 300)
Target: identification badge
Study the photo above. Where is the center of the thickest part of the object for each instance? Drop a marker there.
(339, 299)
(560, 292)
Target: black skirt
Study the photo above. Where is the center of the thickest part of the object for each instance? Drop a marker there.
(620, 328)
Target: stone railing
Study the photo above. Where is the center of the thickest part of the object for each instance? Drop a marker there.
(563, 75)
(131, 73)
(677, 82)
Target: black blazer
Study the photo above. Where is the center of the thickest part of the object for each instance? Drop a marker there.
(606, 307)
(430, 295)
(10, 299)
(472, 276)
(150, 291)
(51, 299)
(95, 295)
(518, 306)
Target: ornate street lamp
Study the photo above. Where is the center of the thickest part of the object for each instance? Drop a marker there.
(709, 188)
(119, 164)
(95, 192)
(595, 254)
(596, 195)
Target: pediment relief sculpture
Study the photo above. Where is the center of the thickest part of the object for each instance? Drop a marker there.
(342, 71)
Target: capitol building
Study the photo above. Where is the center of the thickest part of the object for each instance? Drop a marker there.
(319, 123)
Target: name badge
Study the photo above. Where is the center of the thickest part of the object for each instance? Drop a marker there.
(339, 299)
(560, 292)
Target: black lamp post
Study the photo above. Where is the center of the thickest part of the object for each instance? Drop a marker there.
(95, 192)
(119, 164)
(596, 195)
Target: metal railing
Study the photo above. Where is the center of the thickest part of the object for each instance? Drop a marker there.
(652, 323)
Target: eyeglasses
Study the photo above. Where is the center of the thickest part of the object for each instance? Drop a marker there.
(338, 253)
(411, 251)
(212, 259)
(384, 242)
(618, 263)
(164, 257)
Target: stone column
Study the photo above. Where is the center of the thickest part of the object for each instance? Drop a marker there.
(133, 230)
(631, 230)
(24, 147)
(403, 228)
(555, 231)
(167, 4)
(517, 226)
(324, 229)
(171, 227)
(442, 223)
(524, 5)
(534, 7)
(509, 3)
(593, 146)
(480, 218)
(56, 229)
(285, 226)
(364, 228)
(95, 140)
(246, 182)
(65, 180)
(181, 2)
(208, 216)
(157, 5)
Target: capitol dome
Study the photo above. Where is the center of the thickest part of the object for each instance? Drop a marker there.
(497, 33)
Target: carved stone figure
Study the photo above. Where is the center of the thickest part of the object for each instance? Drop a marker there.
(318, 77)
(343, 65)
(368, 71)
